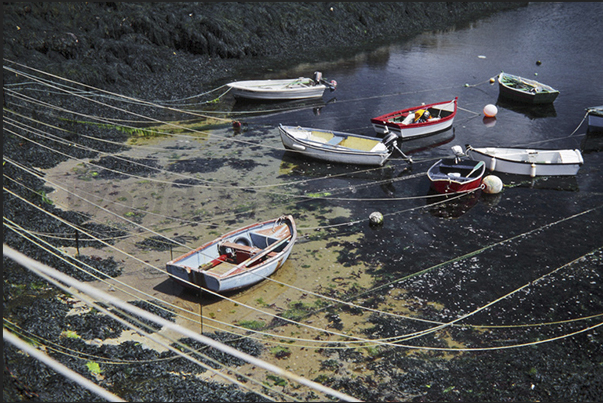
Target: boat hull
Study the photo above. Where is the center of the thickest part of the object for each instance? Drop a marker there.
(524, 90)
(528, 162)
(394, 122)
(286, 89)
(595, 119)
(264, 248)
(452, 176)
(331, 146)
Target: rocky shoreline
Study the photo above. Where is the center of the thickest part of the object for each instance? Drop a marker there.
(165, 50)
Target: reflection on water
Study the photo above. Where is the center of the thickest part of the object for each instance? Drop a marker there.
(536, 111)
(592, 142)
(249, 107)
(450, 206)
(424, 143)
(562, 183)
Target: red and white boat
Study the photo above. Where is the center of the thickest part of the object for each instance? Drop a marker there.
(403, 122)
(451, 175)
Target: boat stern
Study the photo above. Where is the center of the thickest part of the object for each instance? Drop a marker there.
(186, 276)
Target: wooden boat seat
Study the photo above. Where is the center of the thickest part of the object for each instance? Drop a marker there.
(321, 137)
(357, 143)
(239, 247)
(335, 140)
(242, 252)
(273, 234)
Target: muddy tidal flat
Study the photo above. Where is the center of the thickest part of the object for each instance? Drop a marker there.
(123, 149)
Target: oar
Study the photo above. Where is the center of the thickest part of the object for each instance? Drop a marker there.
(478, 166)
(264, 252)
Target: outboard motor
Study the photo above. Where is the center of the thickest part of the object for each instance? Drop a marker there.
(319, 80)
(390, 141)
(458, 153)
(317, 77)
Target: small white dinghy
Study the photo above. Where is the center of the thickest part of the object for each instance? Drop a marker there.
(528, 161)
(284, 89)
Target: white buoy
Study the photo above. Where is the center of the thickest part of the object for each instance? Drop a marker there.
(492, 184)
(490, 110)
(376, 218)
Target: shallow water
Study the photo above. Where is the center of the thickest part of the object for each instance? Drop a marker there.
(432, 260)
(439, 66)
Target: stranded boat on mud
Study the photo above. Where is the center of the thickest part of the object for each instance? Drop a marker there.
(238, 259)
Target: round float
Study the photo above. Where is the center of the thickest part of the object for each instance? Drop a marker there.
(490, 110)
(492, 184)
(376, 218)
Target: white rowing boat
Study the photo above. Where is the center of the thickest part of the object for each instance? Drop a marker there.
(283, 89)
(528, 161)
(335, 146)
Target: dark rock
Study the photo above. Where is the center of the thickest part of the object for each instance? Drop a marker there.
(163, 50)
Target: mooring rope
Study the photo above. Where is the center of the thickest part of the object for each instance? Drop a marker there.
(473, 112)
(88, 290)
(50, 275)
(60, 368)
